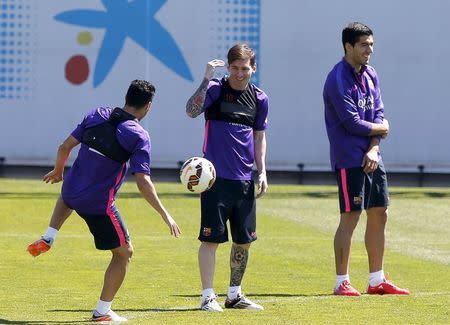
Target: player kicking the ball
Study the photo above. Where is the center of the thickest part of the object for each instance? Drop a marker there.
(109, 139)
(236, 117)
(354, 118)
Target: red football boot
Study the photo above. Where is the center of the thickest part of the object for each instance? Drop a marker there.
(386, 288)
(346, 289)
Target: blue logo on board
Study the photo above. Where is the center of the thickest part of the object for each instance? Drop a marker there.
(135, 20)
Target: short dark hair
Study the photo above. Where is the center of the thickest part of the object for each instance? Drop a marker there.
(139, 94)
(353, 32)
(241, 51)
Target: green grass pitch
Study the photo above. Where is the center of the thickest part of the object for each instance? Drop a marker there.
(290, 271)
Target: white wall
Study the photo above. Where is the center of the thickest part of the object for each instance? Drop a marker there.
(299, 42)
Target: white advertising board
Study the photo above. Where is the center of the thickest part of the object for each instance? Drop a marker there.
(60, 59)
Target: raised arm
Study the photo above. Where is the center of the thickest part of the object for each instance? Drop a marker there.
(148, 191)
(195, 104)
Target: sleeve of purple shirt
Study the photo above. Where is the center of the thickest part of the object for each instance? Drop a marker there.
(212, 94)
(262, 113)
(78, 132)
(379, 111)
(379, 106)
(339, 93)
(378, 103)
(137, 141)
(140, 158)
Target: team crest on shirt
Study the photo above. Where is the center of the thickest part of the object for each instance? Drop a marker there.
(357, 200)
(229, 97)
(206, 232)
(370, 82)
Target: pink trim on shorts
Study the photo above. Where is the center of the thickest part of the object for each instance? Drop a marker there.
(345, 189)
(111, 213)
(205, 141)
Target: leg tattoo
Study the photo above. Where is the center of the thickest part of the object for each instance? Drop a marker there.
(238, 263)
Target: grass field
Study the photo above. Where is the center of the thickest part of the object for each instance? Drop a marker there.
(290, 272)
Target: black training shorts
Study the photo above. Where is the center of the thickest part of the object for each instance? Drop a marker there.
(109, 230)
(360, 191)
(231, 200)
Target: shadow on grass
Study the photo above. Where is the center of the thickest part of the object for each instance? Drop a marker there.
(40, 322)
(261, 295)
(286, 295)
(287, 195)
(269, 196)
(150, 310)
(164, 195)
(125, 195)
(314, 195)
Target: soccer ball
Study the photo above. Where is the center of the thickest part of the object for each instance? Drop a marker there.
(197, 174)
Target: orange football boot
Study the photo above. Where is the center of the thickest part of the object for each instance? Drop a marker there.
(38, 247)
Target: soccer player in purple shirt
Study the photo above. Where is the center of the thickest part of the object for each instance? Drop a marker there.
(109, 139)
(355, 123)
(236, 118)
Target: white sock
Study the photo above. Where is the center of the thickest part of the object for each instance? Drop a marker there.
(208, 292)
(375, 278)
(103, 307)
(233, 292)
(50, 235)
(341, 278)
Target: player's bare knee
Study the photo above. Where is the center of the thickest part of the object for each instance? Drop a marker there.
(377, 215)
(349, 221)
(209, 246)
(130, 252)
(123, 253)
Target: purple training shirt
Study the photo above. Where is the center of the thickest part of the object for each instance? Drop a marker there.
(352, 102)
(229, 146)
(91, 184)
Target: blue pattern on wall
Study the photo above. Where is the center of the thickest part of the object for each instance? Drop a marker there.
(238, 21)
(15, 44)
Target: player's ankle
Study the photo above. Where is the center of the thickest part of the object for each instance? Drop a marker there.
(50, 235)
(233, 292)
(376, 278)
(208, 292)
(103, 307)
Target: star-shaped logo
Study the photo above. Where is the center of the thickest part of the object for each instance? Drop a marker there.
(136, 20)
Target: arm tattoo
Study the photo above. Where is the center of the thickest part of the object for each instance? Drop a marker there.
(195, 103)
(238, 263)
